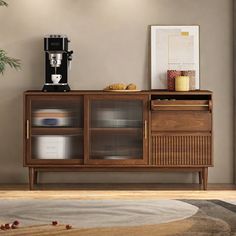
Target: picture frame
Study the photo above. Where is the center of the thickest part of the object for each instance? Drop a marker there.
(175, 48)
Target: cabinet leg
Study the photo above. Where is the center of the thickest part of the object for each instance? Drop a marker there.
(205, 178)
(31, 178)
(35, 177)
(200, 177)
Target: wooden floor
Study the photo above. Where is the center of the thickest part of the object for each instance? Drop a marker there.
(118, 191)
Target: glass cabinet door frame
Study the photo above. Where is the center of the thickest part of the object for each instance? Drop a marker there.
(29, 131)
(116, 97)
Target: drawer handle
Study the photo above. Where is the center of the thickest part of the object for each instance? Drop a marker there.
(27, 129)
(179, 105)
(145, 129)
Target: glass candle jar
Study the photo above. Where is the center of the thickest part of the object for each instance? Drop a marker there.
(182, 83)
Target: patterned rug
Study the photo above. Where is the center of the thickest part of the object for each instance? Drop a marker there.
(120, 217)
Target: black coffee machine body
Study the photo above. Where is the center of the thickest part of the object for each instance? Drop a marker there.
(57, 63)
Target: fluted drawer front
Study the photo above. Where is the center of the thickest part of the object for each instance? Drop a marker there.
(181, 150)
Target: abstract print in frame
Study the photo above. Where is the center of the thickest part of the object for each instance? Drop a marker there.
(174, 48)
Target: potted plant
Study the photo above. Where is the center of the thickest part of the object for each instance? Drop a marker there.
(5, 60)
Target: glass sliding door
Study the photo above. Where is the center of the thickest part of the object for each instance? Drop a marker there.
(117, 129)
(55, 129)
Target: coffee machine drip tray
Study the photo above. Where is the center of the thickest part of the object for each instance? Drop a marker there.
(63, 87)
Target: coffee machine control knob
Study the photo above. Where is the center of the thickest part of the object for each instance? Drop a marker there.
(69, 55)
(69, 58)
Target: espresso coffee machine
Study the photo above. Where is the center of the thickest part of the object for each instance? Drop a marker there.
(57, 62)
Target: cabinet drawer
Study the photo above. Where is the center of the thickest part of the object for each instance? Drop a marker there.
(181, 150)
(181, 121)
(175, 105)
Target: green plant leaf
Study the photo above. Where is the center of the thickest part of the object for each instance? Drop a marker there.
(4, 59)
(10, 61)
(3, 3)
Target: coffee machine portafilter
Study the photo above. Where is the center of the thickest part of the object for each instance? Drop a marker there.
(55, 59)
(57, 63)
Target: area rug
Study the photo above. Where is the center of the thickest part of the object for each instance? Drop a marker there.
(120, 217)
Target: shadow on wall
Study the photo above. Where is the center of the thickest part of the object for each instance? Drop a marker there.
(34, 60)
(13, 84)
(11, 139)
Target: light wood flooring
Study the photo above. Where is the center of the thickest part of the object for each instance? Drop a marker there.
(117, 191)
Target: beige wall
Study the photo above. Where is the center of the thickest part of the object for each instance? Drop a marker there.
(110, 40)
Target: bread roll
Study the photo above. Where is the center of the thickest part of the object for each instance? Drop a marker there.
(118, 86)
(131, 87)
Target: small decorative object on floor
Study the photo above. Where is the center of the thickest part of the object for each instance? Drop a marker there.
(13, 226)
(54, 223)
(8, 226)
(68, 227)
(182, 83)
(16, 222)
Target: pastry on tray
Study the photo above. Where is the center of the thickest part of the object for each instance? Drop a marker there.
(131, 87)
(120, 86)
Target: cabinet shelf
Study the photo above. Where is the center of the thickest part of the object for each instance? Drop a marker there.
(114, 157)
(56, 131)
(125, 130)
(72, 158)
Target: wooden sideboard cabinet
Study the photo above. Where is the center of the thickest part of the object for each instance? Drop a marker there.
(108, 131)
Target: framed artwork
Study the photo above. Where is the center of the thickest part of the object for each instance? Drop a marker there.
(174, 49)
